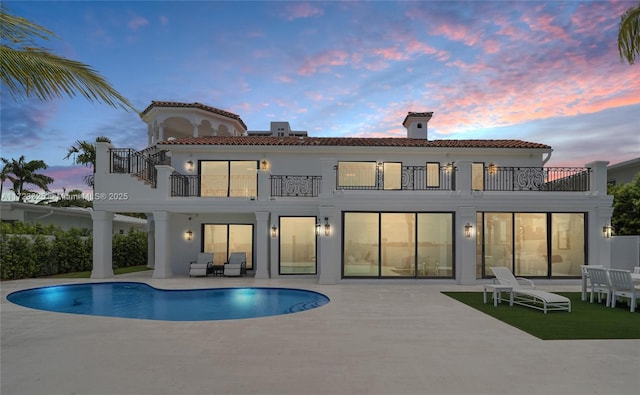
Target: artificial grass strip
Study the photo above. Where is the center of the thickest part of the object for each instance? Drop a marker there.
(585, 321)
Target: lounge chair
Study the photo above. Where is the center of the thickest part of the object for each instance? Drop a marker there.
(622, 285)
(203, 266)
(527, 295)
(600, 284)
(237, 265)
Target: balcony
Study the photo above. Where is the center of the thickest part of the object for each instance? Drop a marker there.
(295, 186)
(549, 179)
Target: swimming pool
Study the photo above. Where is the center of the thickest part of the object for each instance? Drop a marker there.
(139, 300)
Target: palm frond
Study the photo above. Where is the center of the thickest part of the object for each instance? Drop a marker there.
(629, 35)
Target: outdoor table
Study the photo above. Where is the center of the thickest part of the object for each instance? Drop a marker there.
(497, 290)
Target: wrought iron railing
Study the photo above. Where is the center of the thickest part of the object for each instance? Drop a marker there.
(130, 161)
(295, 186)
(412, 178)
(555, 179)
(184, 185)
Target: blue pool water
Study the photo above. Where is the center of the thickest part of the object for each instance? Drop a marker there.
(139, 300)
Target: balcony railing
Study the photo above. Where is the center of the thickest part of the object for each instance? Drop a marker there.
(130, 161)
(554, 179)
(413, 178)
(295, 186)
(184, 185)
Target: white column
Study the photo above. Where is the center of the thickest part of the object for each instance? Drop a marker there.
(163, 245)
(263, 232)
(163, 184)
(598, 178)
(102, 244)
(328, 172)
(465, 246)
(151, 242)
(463, 177)
(195, 125)
(264, 185)
(160, 131)
(329, 260)
(149, 135)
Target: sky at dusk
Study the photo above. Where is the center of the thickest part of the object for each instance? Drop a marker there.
(545, 72)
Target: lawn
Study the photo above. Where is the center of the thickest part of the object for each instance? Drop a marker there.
(87, 274)
(585, 321)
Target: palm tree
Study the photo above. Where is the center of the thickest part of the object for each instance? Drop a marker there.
(629, 35)
(31, 71)
(21, 172)
(6, 169)
(84, 153)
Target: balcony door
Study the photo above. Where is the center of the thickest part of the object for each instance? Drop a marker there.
(223, 239)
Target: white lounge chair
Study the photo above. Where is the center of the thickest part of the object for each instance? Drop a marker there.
(237, 265)
(600, 284)
(527, 295)
(636, 269)
(203, 266)
(585, 279)
(622, 285)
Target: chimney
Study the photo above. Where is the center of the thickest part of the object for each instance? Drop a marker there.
(416, 124)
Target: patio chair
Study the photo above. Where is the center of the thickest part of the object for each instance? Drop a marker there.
(203, 266)
(527, 295)
(600, 284)
(585, 279)
(636, 270)
(622, 285)
(237, 264)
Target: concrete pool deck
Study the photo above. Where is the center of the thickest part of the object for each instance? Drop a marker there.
(404, 338)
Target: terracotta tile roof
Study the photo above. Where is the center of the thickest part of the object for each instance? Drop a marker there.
(194, 105)
(416, 114)
(353, 142)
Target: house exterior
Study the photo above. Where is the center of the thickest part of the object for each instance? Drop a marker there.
(623, 172)
(349, 209)
(64, 217)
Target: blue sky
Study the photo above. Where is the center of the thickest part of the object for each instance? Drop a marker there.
(546, 72)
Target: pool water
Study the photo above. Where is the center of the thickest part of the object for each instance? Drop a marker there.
(139, 300)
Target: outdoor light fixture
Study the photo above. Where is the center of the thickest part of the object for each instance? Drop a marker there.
(263, 165)
(449, 167)
(493, 169)
(467, 230)
(318, 226)
(189, 235)
(327, 227)
(274, 231)
(607, 231)
(189, 165)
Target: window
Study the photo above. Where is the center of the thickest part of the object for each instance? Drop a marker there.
(298, 245)
(477, 176)
(531, 244)
(229, 178)
(392, 175)
(357, 174)
(433, 175)
(223, 239)
(398, 245)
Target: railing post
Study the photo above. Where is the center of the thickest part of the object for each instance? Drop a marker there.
(598, 177)
(164, 180)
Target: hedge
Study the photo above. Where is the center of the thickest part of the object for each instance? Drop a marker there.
(28, 251)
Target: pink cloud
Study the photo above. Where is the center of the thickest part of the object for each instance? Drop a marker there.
(323, 61)
(137, 22)
(303, 10)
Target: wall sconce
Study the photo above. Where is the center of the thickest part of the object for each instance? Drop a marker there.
(448, 167)
(318, 226)
(274, 231)
(189, 165)
(264, 165)
(327, 227)
(380, 165)
(493, 169)
(607, 231)
(188, 235)
(468, 228)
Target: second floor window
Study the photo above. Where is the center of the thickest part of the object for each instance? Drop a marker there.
(357, 174)
(229, 178)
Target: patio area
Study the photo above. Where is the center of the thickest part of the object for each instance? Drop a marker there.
(401, 338)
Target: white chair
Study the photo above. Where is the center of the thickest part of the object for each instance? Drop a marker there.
(622, 285)
(636, 270)
(203, 266)
(600, 283)
(585, 279)
(237, 265)
(527, 295)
